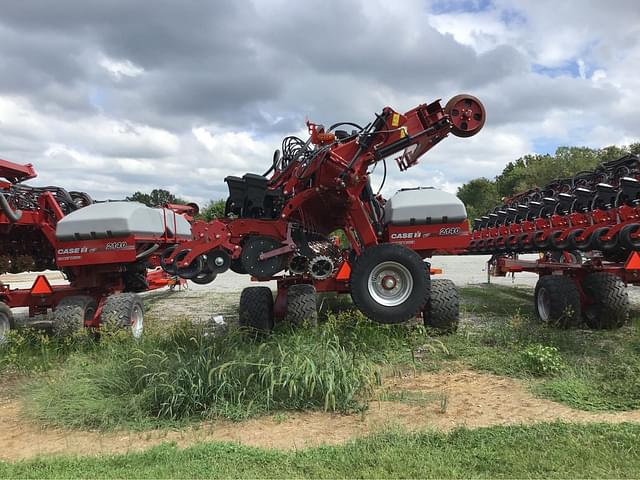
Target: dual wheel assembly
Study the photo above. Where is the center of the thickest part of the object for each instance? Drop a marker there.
(598, 300)
(389, 284)
(256, 310)
(119, 311)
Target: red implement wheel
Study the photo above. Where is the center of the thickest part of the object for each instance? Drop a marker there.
(467, 115)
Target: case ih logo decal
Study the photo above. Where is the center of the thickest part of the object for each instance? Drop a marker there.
(446, 231)
(406, 235)
(72, 251)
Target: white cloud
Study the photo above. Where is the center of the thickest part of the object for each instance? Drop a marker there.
(233, 149)
(120, 68)
(549, 73)
(482, 31)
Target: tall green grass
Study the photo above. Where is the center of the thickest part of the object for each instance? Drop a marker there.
(29, 351)
(587, 369)
(185, 372)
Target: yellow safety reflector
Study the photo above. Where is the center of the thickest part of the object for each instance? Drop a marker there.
(395, 120)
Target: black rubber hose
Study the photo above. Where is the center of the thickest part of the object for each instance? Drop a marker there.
(339, 124)
(8, 211)
(148, 251)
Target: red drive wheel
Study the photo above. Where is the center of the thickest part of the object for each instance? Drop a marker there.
(467, 115)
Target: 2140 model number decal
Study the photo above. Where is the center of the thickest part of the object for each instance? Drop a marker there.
(116, 245)
(449, 231)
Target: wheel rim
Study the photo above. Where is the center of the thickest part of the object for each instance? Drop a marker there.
(137, 322)
(4, 327)
(390, 284)
(544, 304)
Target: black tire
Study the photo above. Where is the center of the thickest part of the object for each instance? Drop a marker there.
(7, 321)
(557, 301)
(81, 199)
(625, 237)
(218, 261)
(302, 305)
(236, 267)
(607, 304)
(205, 277)
(255, 246)
(556, 244)
(595, 243)
(256, 309)
(404, 267)
(123, 310)
(573, 242)
(166, 265)
(442, 311)
(71, 313)
(540, 241)
(190, 271)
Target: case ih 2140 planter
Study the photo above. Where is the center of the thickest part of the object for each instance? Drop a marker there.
(104, 250)
(283, 221)
(281, 225)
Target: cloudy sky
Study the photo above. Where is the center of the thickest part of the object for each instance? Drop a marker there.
(116, 96)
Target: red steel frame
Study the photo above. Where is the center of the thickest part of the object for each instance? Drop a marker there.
(328, 191)
(96, 270)
(628, 272)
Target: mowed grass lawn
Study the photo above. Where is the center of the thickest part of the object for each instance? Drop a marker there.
(178, 375)
(543, 451)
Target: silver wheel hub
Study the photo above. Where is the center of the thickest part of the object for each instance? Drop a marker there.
(390, 284)
(137, 322)
(4, 328)
(544, 304)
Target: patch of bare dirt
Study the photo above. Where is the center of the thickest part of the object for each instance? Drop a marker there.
(472, 400)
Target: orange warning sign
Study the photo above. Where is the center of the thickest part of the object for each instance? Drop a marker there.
(633, 263)
(344, 272)
(41, 286)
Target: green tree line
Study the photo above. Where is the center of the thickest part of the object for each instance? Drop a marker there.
(159, 196)
(481, 195)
